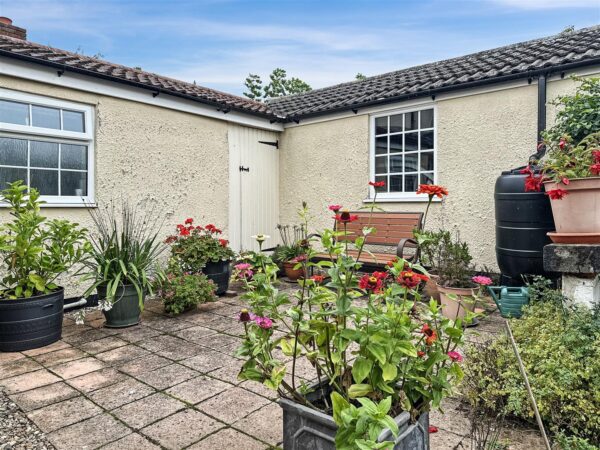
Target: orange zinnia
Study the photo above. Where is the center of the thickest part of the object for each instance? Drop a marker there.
(432, 190)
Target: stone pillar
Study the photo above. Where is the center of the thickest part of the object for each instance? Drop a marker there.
(580, 268)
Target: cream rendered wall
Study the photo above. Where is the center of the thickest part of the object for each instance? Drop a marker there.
(172, 160)
(478, 136)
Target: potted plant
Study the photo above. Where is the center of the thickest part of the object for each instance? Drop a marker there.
(34, 252)
(292, 250)
(373, 362)
(570, 169)
(197, 249)
(182, 292)
(125, 251)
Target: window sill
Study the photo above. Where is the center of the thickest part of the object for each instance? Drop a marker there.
(59, 205)
(410, 199)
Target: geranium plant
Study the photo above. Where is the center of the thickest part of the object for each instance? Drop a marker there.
(193, 246)
(181, 291)
(373, 349)
(34, 251)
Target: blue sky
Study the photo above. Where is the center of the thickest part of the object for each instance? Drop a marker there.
(218, 42)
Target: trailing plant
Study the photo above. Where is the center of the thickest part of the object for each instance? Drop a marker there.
(182, 291)
(560, 348)
(365, 337)
(125, 251)
(35, 251)
(193, 246)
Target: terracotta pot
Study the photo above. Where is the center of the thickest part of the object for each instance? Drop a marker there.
(431, 290)
(579, 210)
(455, 309)
(291, 273)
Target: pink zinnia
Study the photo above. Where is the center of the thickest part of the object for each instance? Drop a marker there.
(243, 266)
(455, 356)
(335, 208)
(264, 322)
(481, 280)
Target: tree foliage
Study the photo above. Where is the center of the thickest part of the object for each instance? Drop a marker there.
(278, 86)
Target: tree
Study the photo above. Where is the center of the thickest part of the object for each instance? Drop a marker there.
(278, 86)
(360, 76)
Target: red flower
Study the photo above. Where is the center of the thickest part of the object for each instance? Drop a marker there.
(595, 169)
(557, 194)
(526, 170)
(377, 183)
(223, 242)
(410, 279)
(189, 221)
(391, 262)
(432, 190)
(433, 429)
(562, 143)
(455, 356)
(346, 217)
(335, 208)
(566, 181)
(318, 279)
(533, 183)
(420, 354)
(184, 231)
(429, 340)
(371, 283)
(596, 155)
(170, 239)
(430, 335)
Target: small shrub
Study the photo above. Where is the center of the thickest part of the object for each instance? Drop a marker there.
(182, 291)
(560, 348)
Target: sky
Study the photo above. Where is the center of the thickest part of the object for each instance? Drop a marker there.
(217, 43)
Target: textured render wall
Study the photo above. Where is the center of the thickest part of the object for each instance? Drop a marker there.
(478, 137)
(174, 161)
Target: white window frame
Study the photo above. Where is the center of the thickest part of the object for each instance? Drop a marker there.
(401, 196)
(31, 132)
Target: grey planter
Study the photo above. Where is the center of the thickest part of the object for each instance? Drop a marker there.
(125, 312)
(307, 429)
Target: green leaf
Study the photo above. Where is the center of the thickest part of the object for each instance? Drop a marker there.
(361, 369)
(378, 352)
(359, 390)
(339, 404)
(389, 371)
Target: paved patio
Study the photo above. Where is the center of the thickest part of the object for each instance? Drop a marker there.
(168, 383)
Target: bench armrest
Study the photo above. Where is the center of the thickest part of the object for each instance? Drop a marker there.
(401, 246)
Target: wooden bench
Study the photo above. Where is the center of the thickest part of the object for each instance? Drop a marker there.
(393, 230)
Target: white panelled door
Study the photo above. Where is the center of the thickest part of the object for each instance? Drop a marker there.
(253, 187)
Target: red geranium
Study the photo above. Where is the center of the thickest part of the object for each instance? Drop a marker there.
(595, 169)
(189, 221)
(596, 155)
(410, 279)
(433, 190)
(557, 194)
(223, 242)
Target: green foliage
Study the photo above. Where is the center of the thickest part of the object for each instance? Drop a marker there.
(452, 261)
(360, 76)
(560, 348)
(430, 246)
(279, 85)
(572, 161)
(33, 251)
(293, 240)
(574, 443)
(181, 291)
(578, 115)
(125, 250)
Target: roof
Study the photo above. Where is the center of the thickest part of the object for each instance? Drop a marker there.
(65, 60)
(568, 49)
(554, 53)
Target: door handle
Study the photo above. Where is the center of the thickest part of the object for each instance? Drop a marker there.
(244, 169)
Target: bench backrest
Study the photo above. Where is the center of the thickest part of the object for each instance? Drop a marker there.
(391, 226)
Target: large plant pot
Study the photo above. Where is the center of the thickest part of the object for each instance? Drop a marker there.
(430, 289)
(455, 309)
(125, 311)
(578, 212)
(307, 429)
(31, 323)
(220, 273)
(291, 273)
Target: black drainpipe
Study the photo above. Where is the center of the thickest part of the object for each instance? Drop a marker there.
(541, 116)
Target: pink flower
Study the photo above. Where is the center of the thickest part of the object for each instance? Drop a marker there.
(481, 280)
(246, 316)
(335, 208)
(243, 266)
(264, 322)
(455, 356)
(433, 429)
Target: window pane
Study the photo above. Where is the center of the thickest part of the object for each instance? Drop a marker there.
(14, 112)
(73, 183)
(411, 121)
(384, 188)
(10, 175)
(381, 125)
(411, 162)
(45, 181)
(381, 164)
(396, 143)
(410, 183)
(396, 183)
(411, 141)
(427, 118)
(13, 152)
(73, 157)
(426, 140)
(381, 145)
(427, 161)
(396, 123)
(396, 163)
(44, 117)
(427, 178)
(73, 121)
(43, 154)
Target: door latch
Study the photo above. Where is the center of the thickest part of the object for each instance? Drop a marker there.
(244, 169)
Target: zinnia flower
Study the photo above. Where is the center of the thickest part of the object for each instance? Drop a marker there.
(371, 283)
(243, 266)
(481, 280)
(335, 208)
(246, 316)
(562, 143)
(410, 279)
(318, 279)
(430, 334)
(346, 217)
(420, 353)
(432, 190)
(556, 194)
(189, 221)
(377, 183)
(455, 356)
(264, 322)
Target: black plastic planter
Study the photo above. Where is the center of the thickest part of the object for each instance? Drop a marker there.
(125, 311)
(219, 272)
(307, 429)
(28, 323)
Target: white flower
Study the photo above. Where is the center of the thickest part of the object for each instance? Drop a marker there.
(260, 237)
(105, 305)
(79, 317)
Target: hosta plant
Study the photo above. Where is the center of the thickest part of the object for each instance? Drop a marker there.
(34, 251)
(363, 336)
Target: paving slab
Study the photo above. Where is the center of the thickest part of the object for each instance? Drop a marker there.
(265, 424)
(18, 367)
(171, 347)
(78, 367)
(121, 355)
(143, 365)
(44, 396)
(6, 358)
(115, 395)
(196, 333)
(232, 404)
(148, 410)
(208, 360)
(136, 333)
(132, 441)
(89, 434)
(197, 389)
(58, 345)
(102, 345)
(228, 439)
(28, 381)
(96, 380)
(59, 356)
(167, 376)
(59, 415)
